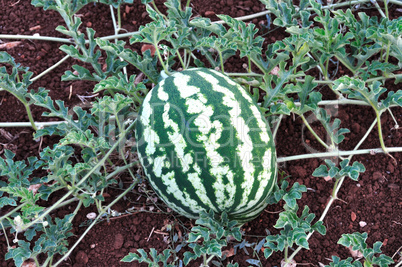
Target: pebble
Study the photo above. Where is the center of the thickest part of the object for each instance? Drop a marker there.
(91, 215)
(118, 241)
(378, 176)
(362, 223)
(209, 13)
(81, 257)
(390, 167)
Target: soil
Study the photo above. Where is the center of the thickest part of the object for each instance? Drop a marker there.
(375, 199)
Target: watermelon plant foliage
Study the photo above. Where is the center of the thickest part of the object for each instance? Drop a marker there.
(201, 138)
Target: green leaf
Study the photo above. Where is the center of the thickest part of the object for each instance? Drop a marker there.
(319, 227)
(332, 128)
(10, 80)
(321, 171)
(143, 257)
(244, 36)
(286, 13)
(146, 64)
(154, 32)
(276, 93)
(5, 201)
(308, 99)
(294, 193)
(20, 253)
(225, 47)
(188, 256)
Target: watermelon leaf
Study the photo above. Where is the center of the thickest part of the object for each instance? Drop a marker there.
(357, 242)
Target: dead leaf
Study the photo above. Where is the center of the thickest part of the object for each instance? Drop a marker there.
(150, 47)
(355, 253)
(34, 188)
(9, 45)
(275, 71)
(292, 263)
(228, 253)
(37, 27)
(353, 216)
(28, 263)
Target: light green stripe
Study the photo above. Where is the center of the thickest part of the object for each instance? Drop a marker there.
(242, 133)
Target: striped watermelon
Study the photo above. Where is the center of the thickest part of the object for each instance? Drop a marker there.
(205, 145)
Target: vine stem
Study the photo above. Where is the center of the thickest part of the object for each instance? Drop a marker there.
(260, 14)
(63, 40)
(41, 38)
(50, 68)
(32, 121)
(277, 126)
(117, 27)
(69, 193)
(343, 101)
(313, 132)
(338, 153)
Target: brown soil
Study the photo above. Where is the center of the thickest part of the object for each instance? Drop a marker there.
(375, 199)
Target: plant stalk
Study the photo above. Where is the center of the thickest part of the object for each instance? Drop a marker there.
(69, 193)
(338, 153)
(50, 68)
(313, 132)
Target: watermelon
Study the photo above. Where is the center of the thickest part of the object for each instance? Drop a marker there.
(205, 145)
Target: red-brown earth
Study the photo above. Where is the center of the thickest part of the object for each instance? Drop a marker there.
(375, 199)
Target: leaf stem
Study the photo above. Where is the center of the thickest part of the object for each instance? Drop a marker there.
(5, 235)
(160, 59)
(50, 68)
(118, 18)
(313, 132)
(386, 8)
(387, 53)
(338, 153)
(221, 61)
(379, 8)
(397, 2)
(277, 126)
(380, 136)
(28, 109)
(365, 135)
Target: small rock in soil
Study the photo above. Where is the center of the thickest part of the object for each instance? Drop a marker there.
(356, 127)
(378, 176)
(118, 241)
(390, 167)
(137, 238)
(81, 257)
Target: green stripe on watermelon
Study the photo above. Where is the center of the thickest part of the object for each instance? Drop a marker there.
(201, 112)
